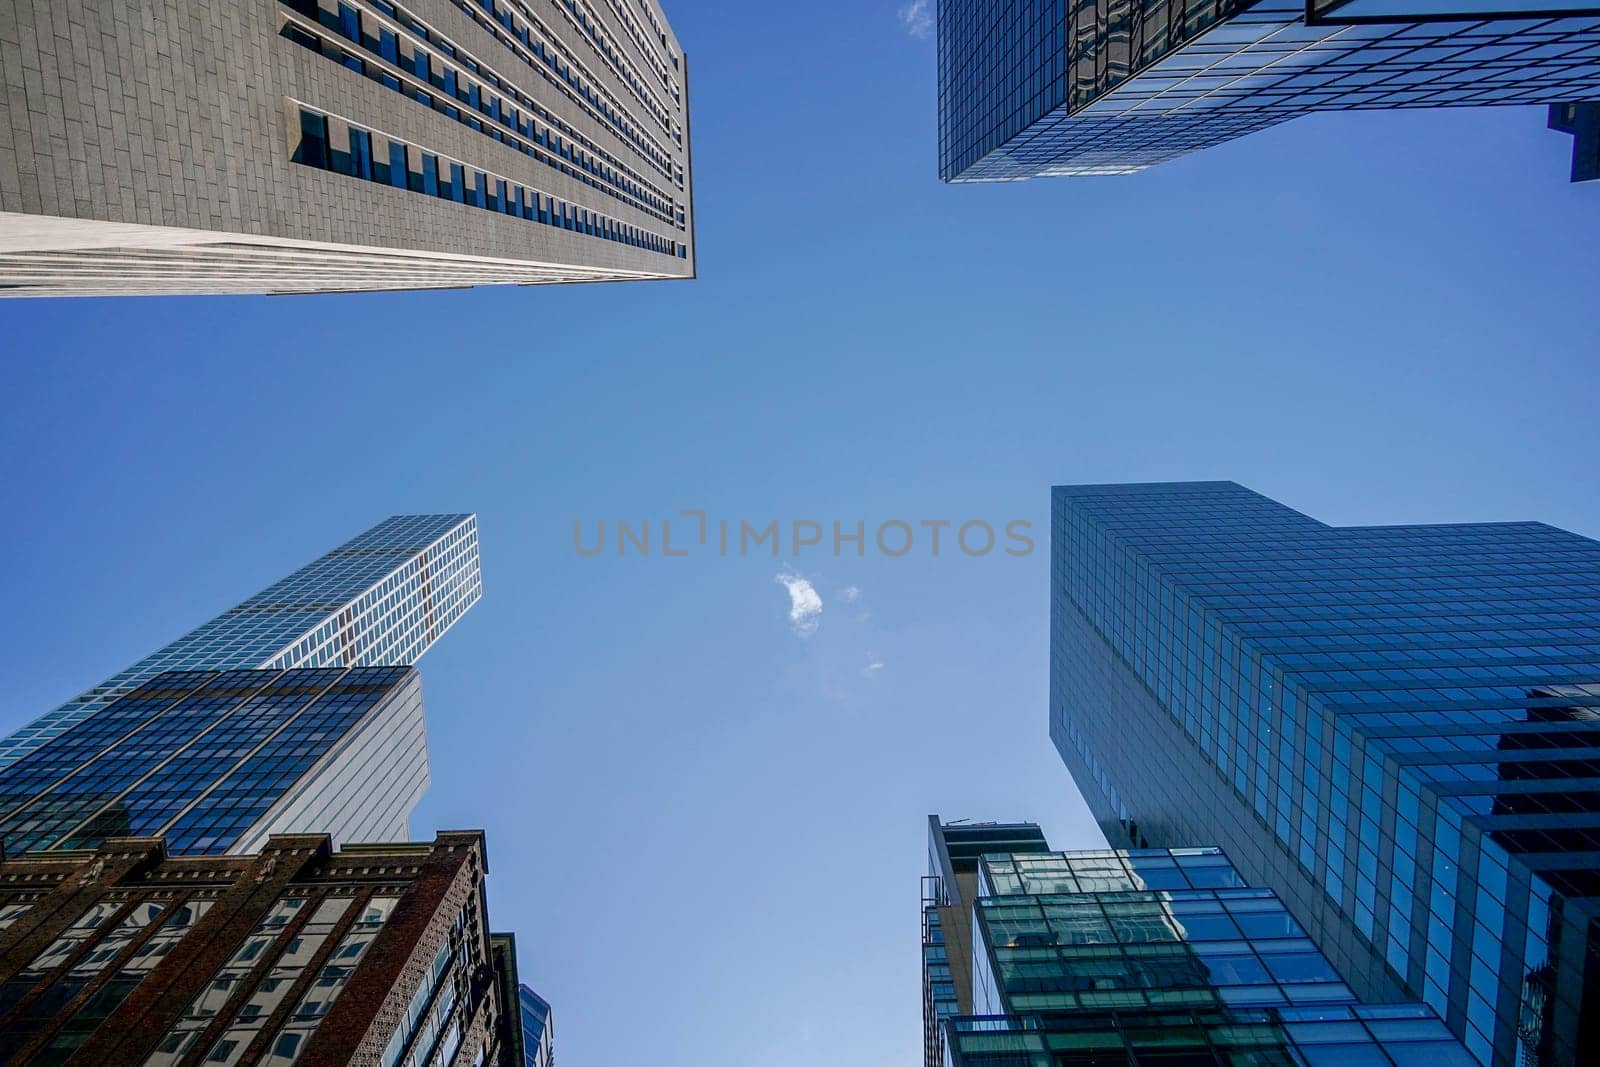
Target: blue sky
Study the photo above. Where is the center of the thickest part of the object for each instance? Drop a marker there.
(706, 828)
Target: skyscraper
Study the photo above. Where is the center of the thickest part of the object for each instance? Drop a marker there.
(1147, 957)
(1394, 726)
(1039, 88)
(214, 762)
(377, 955)
(201, 146)
(382, 598)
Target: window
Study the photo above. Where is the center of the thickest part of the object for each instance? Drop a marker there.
(313, 147)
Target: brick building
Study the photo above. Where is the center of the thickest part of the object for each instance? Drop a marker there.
(375, 954)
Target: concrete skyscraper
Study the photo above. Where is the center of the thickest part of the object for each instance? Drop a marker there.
(200, 146)
(1395, 727)
(1040, 88)
(380, 599)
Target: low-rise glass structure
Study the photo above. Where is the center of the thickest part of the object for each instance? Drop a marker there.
(1160, 956)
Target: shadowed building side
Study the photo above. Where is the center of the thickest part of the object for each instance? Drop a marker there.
(216, 761)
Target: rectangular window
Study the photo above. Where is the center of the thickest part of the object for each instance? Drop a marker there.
(313, 147)
(397, 165)
(430, 174)
(349, 22)
(380, 173)
(361, 153)
(338, 157)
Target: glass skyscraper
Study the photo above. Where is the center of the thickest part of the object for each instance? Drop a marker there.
(1396, 727)
(1038, 88)
(214, 762)
(1143, 957)
(381, 598)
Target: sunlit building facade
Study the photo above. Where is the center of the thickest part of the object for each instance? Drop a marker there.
(1396, 727)
(382, 598)
(1040, 88)
(1154, 957)
(290, 146)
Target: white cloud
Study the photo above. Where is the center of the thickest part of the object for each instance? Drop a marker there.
(805, 606)
(874, 665)
(851, 593)
(917, 17)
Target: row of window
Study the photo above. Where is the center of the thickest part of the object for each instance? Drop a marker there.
(176, 919)
(544, 61)
(464, 97)
(603, 44)
(575, 76)
(407, 167)
(211, 785)
(643, 40)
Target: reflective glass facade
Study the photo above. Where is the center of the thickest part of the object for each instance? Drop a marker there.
(1037, 88)
(1160, 956)
(948, 891)
(213, 762)
(1396, 727)
(1580, 119)
(538, 1044)
(381, 598)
